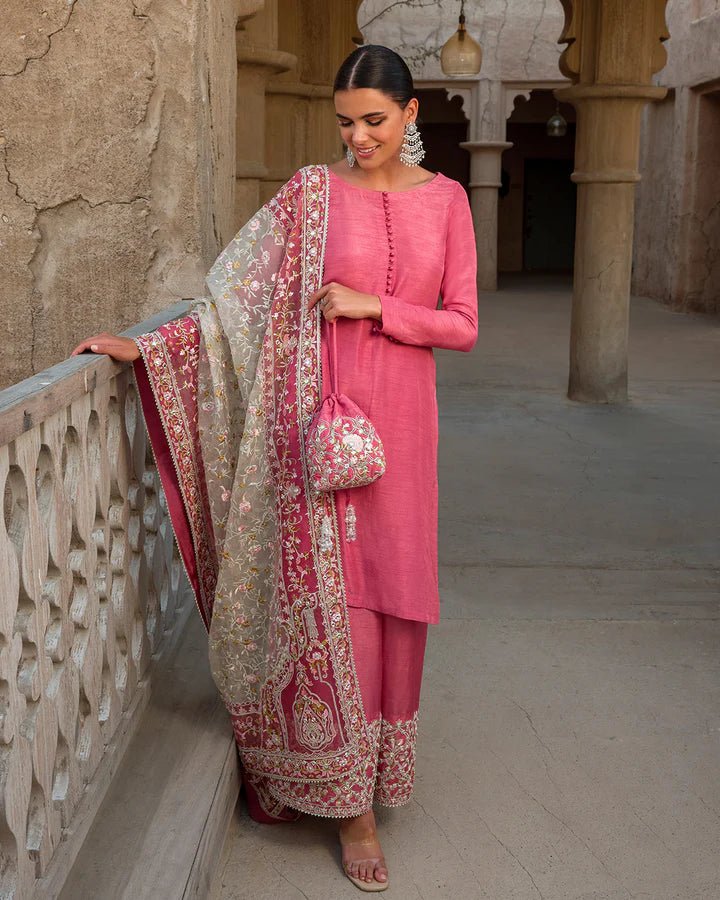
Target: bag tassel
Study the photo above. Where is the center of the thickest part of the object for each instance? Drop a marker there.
(350, 522)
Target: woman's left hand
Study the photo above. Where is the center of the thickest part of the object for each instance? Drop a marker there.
(337, 300)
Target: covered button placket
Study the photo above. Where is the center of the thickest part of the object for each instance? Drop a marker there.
(389, 276)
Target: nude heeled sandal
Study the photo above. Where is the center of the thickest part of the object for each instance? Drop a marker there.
(369, 886)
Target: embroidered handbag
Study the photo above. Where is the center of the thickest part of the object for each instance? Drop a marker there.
(342, 447)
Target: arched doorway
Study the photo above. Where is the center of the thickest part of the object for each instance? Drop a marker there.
(536, 212)
(443, 127)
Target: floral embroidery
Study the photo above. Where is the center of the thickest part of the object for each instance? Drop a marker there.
(385, 777)
(326, 533)
(279, 641)
(313, 720)
(343, 448)
(349, 794)
(170, 357)
(396, 761)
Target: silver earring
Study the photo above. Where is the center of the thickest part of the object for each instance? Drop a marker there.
(349, 157)
(412, 150)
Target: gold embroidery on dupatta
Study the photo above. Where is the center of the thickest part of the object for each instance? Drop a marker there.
(280, 642)
(279, 639)
(168, 383)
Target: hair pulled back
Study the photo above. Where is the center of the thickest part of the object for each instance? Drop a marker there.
(378, 67)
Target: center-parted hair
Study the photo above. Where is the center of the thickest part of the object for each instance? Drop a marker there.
(377, 67)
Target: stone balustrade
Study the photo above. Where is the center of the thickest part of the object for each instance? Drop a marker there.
(92, 590)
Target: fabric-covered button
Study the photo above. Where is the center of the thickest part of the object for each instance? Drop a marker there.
(391, 244)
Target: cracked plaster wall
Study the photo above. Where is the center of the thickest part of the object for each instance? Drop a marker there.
(116, 142)
(677, 234)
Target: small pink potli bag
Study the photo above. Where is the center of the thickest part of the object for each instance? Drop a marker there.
(343, 448)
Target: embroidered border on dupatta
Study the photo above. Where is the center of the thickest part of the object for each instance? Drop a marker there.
(307, 741)
(337, 777)
(172, 375)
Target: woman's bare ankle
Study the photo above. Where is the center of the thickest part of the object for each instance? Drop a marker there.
(362, 855)
(359, 827)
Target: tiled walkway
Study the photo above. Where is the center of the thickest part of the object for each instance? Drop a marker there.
(570, 718)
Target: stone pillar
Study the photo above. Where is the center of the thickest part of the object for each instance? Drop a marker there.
(288, 53)
(256, 65)
(258, 59)
(301, 123)
(484, 183)
(613, 50)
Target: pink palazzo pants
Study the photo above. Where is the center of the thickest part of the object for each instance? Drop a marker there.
(388, 653)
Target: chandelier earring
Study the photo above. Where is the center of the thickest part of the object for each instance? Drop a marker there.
(412, 150)
(349, 157)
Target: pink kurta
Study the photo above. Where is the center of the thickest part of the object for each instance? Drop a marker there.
(409, 247)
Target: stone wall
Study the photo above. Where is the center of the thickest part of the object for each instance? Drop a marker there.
(677, 233)
(116, 164)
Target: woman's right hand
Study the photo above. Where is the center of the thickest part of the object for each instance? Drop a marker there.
(120, 348)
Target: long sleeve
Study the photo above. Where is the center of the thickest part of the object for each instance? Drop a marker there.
(455, 325)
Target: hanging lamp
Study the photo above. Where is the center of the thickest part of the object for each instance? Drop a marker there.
(556, 125)
(460, 54)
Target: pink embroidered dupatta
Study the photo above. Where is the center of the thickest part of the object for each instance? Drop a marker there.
(228, 392)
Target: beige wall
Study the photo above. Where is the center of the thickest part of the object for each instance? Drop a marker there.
(137, 137)
(677, 225)
(116, 186)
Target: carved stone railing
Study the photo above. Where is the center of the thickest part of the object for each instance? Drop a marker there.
(91, 592)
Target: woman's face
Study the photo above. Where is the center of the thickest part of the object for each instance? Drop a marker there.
(371, 121)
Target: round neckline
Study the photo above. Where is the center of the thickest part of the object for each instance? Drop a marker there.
(358, 187)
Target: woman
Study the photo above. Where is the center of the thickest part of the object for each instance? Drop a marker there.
(317, 603)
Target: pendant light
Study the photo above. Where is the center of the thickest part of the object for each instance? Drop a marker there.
(556, 126)
(460, 54)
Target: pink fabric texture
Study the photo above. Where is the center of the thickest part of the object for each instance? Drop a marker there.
(389, 655)
(410, 248)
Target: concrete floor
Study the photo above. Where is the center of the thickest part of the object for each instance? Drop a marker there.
(570, 718)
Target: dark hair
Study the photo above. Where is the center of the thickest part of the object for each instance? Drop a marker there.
(377, 67)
